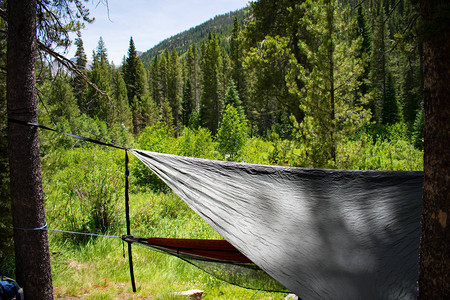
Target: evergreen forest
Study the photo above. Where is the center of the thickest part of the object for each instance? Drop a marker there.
(311, 83)
(327, 84)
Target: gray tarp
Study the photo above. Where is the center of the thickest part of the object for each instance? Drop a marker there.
(323, 234)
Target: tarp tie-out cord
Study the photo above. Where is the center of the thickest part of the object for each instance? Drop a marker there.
(127, 208)
(68, 134)
(66, 231)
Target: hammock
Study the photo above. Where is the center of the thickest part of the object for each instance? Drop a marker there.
(216, 257)
(320, 233)
(207, 250)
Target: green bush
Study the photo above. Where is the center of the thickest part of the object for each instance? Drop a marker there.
(384, 154)
(196, 143)
(85, 190)
(157, 138)
(257, 151)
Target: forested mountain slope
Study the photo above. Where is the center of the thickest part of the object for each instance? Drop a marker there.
(222, 24)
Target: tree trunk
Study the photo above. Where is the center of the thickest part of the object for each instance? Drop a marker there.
(33, 271)
(434, 279)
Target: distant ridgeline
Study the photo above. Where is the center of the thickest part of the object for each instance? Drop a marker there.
(223, 24)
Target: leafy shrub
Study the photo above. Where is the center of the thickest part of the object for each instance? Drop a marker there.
(196, 143)
(157, 138)
(383, 154)
(85, 191)
(257, 151)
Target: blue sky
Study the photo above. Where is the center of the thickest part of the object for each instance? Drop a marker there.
(147, 21)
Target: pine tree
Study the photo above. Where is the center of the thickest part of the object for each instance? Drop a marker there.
(435, 238)
(129, 72)
(32, 255)
(141, 102)
(378, 67)
(143, 107)
(410, 96)
(141, 83)
(225, 74)
(102, 52)
(61, 100)
(391, 113)
(145, 113)
(155, 81)
(272, 42)
(238, 72)
(163, 75)
(210, 99)
(79, 85)
(174, 90)
(232, 98)
(365, 33)
(192, 72)
(330, 82)
(97, 105)
(232, 133)
(120, 98)
(188, 104)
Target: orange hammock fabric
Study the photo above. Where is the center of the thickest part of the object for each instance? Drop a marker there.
(210, 249)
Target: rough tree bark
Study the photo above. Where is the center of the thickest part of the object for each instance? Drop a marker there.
(434, 279)
(33, 271)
